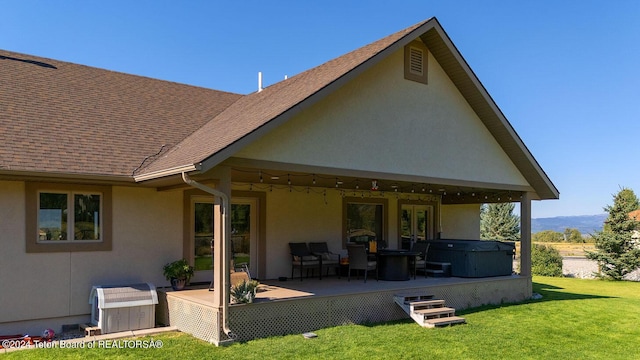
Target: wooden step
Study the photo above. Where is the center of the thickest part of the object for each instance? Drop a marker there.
(408, 299)
(436, 312)
(431, 323)
(427, 304)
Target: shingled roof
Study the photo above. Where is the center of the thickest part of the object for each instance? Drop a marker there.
(72, 119)
(58, 117)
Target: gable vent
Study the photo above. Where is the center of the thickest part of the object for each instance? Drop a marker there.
(415, 62)
(416, 58)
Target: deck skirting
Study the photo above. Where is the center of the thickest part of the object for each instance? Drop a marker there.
(303, 314)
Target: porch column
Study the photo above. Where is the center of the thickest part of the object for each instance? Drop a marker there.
(221, 263)
(525, 235)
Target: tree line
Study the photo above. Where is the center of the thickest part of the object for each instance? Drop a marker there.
(570, 235)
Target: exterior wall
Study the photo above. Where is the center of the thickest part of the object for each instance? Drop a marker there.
(379, 118)
(299, 217)
(53, 288)
(461, 221)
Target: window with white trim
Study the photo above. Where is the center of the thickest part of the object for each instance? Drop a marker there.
(69, 216)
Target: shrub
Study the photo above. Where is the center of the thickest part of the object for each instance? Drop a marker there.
(546, 261)
(244, 292)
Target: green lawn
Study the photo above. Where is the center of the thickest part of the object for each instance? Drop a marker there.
(577, 319)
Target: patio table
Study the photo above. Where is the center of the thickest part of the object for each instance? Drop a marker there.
(394, 264)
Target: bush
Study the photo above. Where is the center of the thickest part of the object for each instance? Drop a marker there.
(546, 261)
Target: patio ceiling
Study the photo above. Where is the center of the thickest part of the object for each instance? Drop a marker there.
(366, 184)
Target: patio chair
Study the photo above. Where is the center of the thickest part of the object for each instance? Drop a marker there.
(302, 258)
(329, 259)
(358, 260)
(420, 262)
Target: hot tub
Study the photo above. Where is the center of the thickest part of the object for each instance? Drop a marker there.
(474, 258)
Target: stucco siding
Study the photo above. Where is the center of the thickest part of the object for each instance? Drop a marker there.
(299, 217)
(461, 221)
(379, 118)
(28, 280)
(147, 233)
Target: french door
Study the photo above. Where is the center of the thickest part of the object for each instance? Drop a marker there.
(416, 224)
(243, 234)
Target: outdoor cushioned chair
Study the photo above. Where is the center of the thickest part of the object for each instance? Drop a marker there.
(358, 260)
(329, 259)
(302, 258)
(420, 262)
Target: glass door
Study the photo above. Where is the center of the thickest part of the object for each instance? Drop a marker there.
(202, 234)
(416, 224)
(244, 237)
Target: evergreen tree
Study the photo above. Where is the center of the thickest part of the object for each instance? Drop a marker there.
(498, 222)
(616, 252)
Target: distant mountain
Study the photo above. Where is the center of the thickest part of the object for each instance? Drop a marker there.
(586, 224)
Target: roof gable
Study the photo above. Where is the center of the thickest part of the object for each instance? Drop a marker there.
(258, 113)
(381, 124)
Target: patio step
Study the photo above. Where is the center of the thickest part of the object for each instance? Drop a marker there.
(435, 313)
(451, 320)
(438, 269)
(426, 311)
(427, 304)
(408, 298)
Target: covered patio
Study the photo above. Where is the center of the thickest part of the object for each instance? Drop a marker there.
(293, 306)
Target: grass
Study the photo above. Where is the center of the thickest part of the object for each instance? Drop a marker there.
(584, 319)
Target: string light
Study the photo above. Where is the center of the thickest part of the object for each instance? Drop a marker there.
(376, 190)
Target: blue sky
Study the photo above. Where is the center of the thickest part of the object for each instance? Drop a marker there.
(565, 73)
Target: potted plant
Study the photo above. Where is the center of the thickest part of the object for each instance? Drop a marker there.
(245, 292)
(178, 273)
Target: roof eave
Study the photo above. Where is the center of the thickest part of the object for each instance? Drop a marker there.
(166, 172)
(44, 176)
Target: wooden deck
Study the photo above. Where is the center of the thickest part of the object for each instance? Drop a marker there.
(294, 306)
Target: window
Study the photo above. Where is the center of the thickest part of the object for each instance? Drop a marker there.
(65, 218)
(364, 220)
(415, 62)
(69, 216)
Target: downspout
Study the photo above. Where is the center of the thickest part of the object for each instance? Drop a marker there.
(225, 245)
